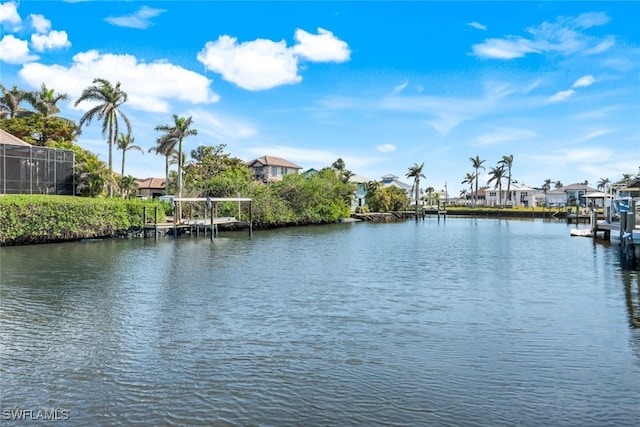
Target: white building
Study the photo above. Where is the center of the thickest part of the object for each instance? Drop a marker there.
(521, 195)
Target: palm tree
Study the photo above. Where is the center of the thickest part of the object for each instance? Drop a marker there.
(507, 162)
(175, 134)
(338, 165)
(558, 184)
(45, 102)
(477, 164)
(125, 143)
(602, 184)
(546, 186)
(497, 173)
(165, 146)
(626, 178)
(128, 185)
(415, 172)
(109, 100)
(10, 101)
(469, 179)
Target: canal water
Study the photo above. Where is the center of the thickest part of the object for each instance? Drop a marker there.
(463, 322)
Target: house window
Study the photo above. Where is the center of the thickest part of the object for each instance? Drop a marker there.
(492, 194)
(283, 171)
(274, 171)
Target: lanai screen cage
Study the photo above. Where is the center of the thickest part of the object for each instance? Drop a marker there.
(35, 170)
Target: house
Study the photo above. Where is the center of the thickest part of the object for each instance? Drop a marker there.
(392, 180)
(30, 169)
(521, 195)
(568, 195)
(359, 197)
(150, 188)
(271, 168)
(311, 172)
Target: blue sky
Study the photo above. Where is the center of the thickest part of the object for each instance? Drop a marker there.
(382, 85)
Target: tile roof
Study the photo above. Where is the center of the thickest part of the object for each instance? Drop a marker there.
(151, 183)
(7, 138)
(273, 161)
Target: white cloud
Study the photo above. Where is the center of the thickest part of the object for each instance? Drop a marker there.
(386, 148)
(323, 47)
(514, 47)
(584, 81)
(255, 65)
(40, 23)
(221, 127)
(15, 51)
(561, 36)
(601, 47)
(591, 19)
(563, 95)
(477, 26)
(149, 85)
(264, 64)
(53, 40)
(9, 15)
(140, 19)
(594, 134)
(396, 90)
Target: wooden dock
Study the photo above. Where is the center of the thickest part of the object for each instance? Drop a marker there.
(625, 233)
(205, 225)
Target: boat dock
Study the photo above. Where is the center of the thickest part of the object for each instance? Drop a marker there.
(625, 232)
(209, 224)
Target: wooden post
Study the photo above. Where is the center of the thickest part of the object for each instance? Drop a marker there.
(211, 221)
(175, 219)
(144, 222)
(155, 222)
(250, 220)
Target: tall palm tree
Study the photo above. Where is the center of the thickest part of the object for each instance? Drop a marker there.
(469, 179)
(602, 184)
(558, 184)
(338, 165)
(125, 143)
(45, 101)
(507, 162)
(546, 186)
(165, 146)
(497, 174)
(477, 164)
(415, 172)
(10, 101)
(177, 132)
(109, 100)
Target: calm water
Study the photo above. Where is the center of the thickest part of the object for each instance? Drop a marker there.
(459, 322)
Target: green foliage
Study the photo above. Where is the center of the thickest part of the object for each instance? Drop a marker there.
(385, 199)
(37, 218)
(37, 129)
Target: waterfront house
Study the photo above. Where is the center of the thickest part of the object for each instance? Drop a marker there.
(568, 195)
(31, 169)
(391, 180)
(521, 195)
(150, 188)
(271, 168)
(359, 197)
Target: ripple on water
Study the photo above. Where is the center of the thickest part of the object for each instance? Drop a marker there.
(363, 324)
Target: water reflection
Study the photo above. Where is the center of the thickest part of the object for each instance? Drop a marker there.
(457, 322)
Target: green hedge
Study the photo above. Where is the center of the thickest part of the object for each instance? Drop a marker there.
(37, 219)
